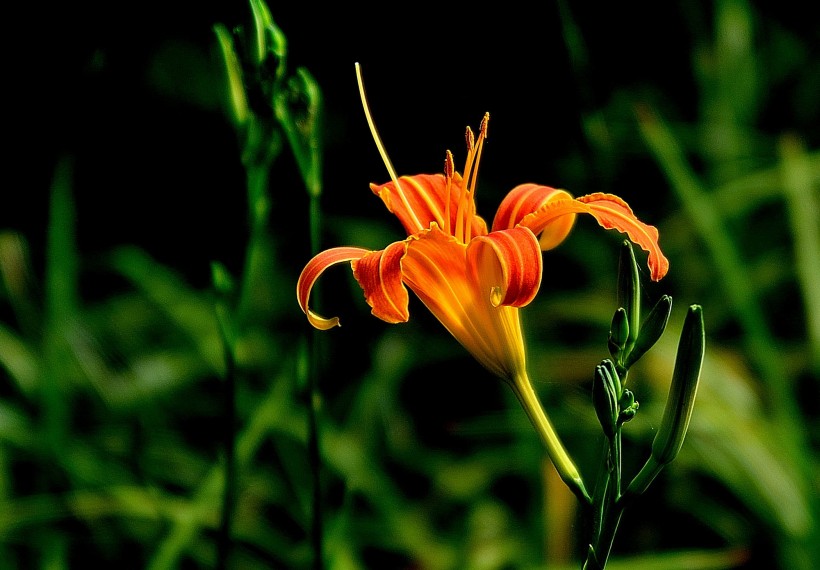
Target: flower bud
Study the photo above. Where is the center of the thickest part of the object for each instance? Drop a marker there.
(684, 387)
(629, 290)
(235, 88)
(605, 398)
(628, 407)
(651, 331)
(618, 334)
(268, 38)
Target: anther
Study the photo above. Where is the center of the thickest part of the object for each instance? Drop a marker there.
(484, 122)
(449, 167)
(470, 138)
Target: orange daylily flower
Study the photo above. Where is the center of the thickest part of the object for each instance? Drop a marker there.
(473, 280)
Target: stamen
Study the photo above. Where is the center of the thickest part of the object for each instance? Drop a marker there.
(391, 171)
(473, 181)
(470, 140)
(468, 166)
(471, 175)
(482, 136)
(464, 198)
(449, 169)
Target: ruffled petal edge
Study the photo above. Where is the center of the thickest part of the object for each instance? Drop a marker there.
(611, 212)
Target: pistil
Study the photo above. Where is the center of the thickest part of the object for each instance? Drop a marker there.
(383, 152)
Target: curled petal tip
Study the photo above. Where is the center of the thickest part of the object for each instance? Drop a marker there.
(657, 262)
(311, 273)
(613, 213)
(322, 323)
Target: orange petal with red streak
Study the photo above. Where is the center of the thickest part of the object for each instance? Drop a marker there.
(525, 199)
(426, 195)
(379, 275)
(611, 212)
(516, 253)
(313, 270)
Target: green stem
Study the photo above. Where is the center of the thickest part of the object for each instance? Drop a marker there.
(317, 523)
(606, 508)
(599, 498)
(643, 479)
(315, 459)
(613, 509)
(567, 470)
(229, 492)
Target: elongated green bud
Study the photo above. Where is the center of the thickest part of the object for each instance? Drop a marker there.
(684, 388)
(236, 98)
(605, 398)
(629, 289)
(268, 38)
(651, 331)
(613, 373)
(618, 334)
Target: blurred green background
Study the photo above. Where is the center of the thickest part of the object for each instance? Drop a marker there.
(156, 373)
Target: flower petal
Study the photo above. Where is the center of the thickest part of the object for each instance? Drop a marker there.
(517, 255)
(525, 199)
(422, 199)
(611, 212)
(379, 274)
(436, 269)
(314, 268)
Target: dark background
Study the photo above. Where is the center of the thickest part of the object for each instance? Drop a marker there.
(125, 90)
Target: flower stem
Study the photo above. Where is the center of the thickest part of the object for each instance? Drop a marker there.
(567, 470)
(229, 492)
(607, 506)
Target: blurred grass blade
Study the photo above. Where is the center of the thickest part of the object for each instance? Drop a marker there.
(731, 437)
(739, 196)
(274, 412)
(735, 64)
(677, 560)
(190, 311)
(727, 264)
(61, 254)
(302, 124)
(803, 201)
(19, 282)
(61, 305)
(20, 361)
(15, 429)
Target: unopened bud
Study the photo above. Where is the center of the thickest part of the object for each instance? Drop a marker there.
(629, 289)
(605, 399)
(628, 407)
(651, 330)
(236, 99)
(618, 334)
(268, 39)
(684, 388)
